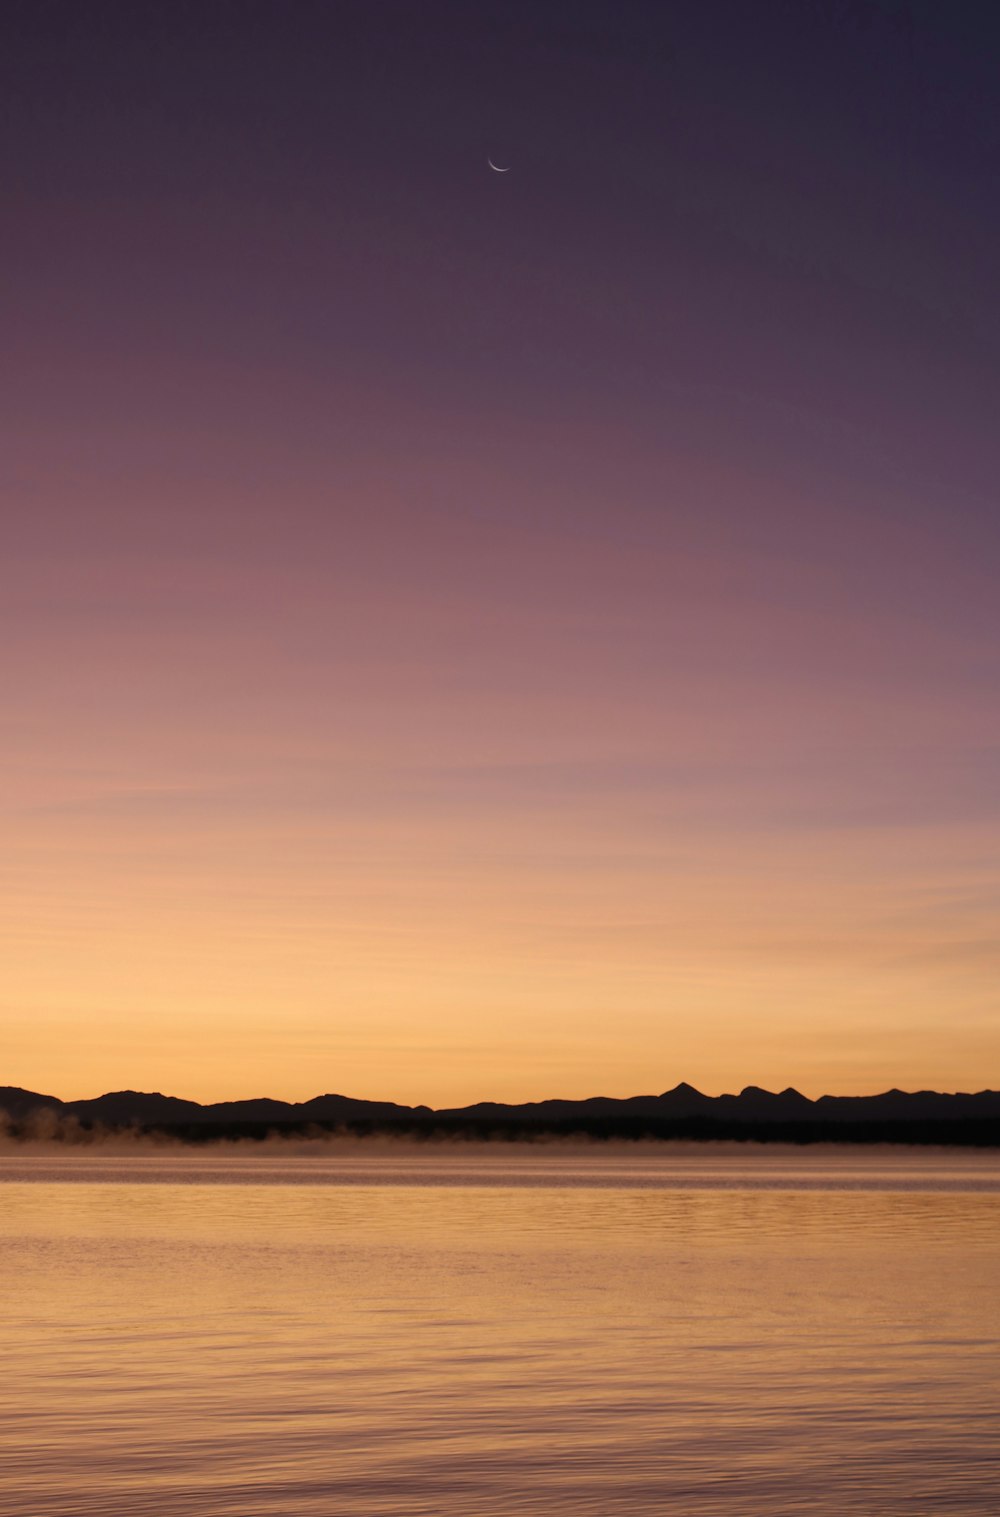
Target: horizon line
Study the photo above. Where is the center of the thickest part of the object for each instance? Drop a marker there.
(683, 1087)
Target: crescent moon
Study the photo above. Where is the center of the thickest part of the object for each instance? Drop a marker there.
(496, 167)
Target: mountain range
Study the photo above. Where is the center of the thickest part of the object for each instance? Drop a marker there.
(682, 1111)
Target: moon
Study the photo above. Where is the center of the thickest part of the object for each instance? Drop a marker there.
(496, 167)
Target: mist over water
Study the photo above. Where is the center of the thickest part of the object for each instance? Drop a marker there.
(366, 1331)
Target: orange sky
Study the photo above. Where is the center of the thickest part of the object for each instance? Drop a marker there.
(371, 797)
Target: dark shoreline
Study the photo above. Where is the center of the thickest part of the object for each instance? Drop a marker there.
(925, 1117)
(436, 1129)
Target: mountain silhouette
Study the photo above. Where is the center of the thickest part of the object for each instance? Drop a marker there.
(911, 1116)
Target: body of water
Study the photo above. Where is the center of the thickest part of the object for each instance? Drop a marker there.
(470, 1333)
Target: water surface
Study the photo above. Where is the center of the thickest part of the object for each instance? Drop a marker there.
(472, 1333)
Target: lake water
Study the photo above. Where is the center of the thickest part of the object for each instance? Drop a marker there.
(466, 1333)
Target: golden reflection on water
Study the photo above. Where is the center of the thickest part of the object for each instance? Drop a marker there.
(237, 1336)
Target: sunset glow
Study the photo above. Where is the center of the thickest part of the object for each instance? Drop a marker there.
(455, 646)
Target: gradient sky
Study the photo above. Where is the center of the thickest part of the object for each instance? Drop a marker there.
(473, 636)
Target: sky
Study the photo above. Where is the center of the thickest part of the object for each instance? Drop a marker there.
(489, 636)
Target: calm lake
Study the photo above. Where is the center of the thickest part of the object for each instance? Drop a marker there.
(500, 1331)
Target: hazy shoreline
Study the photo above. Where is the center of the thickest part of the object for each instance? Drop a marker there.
(506, 1150)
